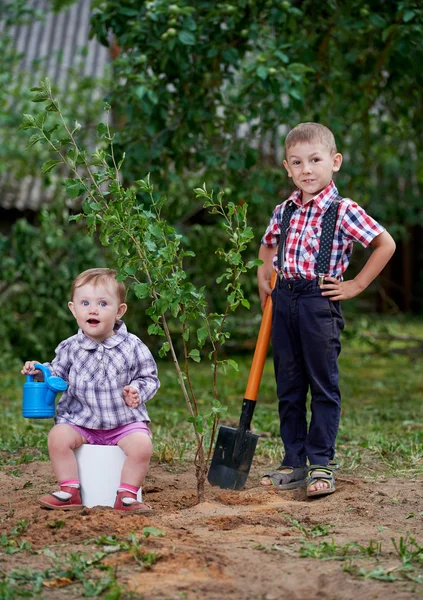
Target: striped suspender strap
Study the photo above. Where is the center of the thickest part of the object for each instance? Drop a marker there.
(286, 218)
(326, 239)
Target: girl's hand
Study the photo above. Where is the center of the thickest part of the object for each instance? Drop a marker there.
(340, 290)
(130, 395)
(28, 368)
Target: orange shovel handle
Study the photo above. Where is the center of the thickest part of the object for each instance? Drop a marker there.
(260, 351)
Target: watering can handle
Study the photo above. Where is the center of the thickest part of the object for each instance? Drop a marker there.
(45, 371)
(262, 345)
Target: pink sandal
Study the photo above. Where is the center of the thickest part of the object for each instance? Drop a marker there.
(67, 498)
(127, 502)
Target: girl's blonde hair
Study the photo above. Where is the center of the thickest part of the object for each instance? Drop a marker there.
(310, 132)
(100, 275)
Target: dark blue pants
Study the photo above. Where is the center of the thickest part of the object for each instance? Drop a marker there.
(306, 328)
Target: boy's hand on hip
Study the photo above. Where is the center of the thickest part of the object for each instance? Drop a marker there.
(340, 290)
(130, 395)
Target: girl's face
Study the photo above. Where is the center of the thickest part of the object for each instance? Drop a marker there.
(96, 309)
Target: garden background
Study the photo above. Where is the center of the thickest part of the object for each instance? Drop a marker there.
(205, 92)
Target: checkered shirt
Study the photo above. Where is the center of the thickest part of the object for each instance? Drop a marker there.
(303, 237)
(96, 374)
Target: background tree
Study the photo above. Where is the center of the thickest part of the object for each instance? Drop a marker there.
(206, 91)
(212, 87)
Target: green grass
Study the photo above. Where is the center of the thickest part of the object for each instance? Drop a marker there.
(87, 569)
(381, 429)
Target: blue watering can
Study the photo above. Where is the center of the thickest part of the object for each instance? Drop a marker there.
(39, 396)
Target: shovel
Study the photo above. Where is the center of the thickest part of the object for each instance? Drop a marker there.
(235, 448)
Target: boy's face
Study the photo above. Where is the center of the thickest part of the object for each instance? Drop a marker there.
(96, 308)
(311, 166)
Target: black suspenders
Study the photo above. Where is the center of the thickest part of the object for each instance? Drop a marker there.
(326, 237)
(288, 211)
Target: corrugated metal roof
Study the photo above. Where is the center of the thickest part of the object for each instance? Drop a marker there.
(56, 43)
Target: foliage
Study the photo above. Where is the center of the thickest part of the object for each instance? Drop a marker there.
(38, 255)
(37, 266)
(149, 251)
(213, 87)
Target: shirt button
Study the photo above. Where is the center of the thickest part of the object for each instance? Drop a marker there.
(290, 260)
(297, 234)
(303, 210)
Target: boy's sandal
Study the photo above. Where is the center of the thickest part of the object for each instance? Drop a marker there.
(294, 478)
(320, 473)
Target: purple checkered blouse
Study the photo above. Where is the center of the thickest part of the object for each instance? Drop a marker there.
(96, 374)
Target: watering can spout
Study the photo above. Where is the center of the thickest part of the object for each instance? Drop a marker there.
(39, 396)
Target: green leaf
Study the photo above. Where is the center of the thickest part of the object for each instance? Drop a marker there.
(147, 531)
(40, 119)
(186, 37)
(74, 188)
(198, 422)
(195, 355)
(130, 270)
(376, 20)
(142, 290)
(36, 137)
(39, 97)
(296, 94)
(164, 349)
(52, 107)
(101, 130)
(76, 217)
(49, 165)
(233, 364)
(28, 122)
(408, 15)
(202, 335)
(262, 72)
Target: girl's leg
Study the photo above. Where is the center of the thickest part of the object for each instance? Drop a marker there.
(138, 449)
(62, 440)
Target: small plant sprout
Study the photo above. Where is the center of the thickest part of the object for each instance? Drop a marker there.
(149, 252)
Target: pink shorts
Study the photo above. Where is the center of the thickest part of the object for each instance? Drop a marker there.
(110, 437)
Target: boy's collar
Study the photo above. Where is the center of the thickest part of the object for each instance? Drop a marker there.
(323, 199)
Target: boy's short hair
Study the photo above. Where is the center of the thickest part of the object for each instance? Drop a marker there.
(99, 275)
(310, 132)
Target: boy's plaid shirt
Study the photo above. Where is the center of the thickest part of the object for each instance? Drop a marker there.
(303, 237)
(96, 374)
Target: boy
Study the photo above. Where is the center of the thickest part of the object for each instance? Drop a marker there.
(307, 320)
(110, 375)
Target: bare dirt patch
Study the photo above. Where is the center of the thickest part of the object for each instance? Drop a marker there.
(237, 545)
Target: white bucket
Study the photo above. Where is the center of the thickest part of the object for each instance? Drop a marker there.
(99, 470)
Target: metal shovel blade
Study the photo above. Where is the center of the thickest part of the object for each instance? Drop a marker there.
(232, 458)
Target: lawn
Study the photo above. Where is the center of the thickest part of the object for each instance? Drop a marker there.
(381, 424)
